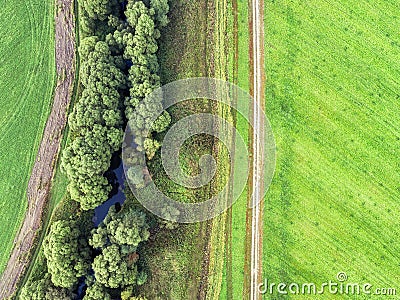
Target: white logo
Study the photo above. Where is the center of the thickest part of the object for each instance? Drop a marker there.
(134, 160)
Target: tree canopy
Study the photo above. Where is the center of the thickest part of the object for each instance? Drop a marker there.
(67, 253)
(96, 291)
(126, 228)
(113, 269)
(96, 124)
(44, 289)
(118, 70)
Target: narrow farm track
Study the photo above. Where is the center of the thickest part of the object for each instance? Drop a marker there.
(43, 169)
(257, 138)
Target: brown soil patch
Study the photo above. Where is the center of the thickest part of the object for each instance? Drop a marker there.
(44, 167)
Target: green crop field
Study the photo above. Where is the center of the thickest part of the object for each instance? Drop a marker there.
(333, 99)
(27, 68)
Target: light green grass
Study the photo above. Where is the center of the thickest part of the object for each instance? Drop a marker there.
(239, 207)
(26, 84)
(333, 98)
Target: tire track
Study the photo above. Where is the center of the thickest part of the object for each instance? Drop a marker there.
(43, 169)
(253, 268)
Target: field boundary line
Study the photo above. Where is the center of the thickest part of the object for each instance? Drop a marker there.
(43, 170)
(229, 213)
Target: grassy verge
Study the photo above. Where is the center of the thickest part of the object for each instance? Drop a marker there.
(234, 289)
(239, 208)
(28, 77)
(219, 272)
(332, 97)
(175, 258)
(193, 255)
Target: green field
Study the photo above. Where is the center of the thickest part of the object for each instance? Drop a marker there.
(175, 257)
(239, 207)
(333, 99)
(27, 68)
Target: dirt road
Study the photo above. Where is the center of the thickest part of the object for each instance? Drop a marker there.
(258, 136)
(43, 169)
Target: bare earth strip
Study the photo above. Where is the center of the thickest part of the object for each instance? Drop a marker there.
(43, 169)
(254, 223)
(258, 151)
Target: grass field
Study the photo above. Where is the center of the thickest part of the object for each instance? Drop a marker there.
(239, 208)
(195, 252)
(333, 100)
(175, 258)
(238, 233)
(27, 68)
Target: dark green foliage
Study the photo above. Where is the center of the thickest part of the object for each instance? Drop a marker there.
(136, 176)
(87, 24)
(118, 237)
(128, 294)
(98, 9)
(162, 122)
(126, 228)
(137, 42)
(98, 17)
(161, 9)
(97, 119)
(141, 278)
(96, 124)
(118, 69)
(44, 289)
(151, 146)
(96, 291)
(67, 253)
(113, 269)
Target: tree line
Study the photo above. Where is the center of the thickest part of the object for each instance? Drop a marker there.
(116, 75)
(118, 69)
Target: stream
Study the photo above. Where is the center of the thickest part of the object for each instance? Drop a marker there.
(116, 177)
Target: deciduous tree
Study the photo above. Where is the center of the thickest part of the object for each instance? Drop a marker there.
(67, 253)
(112, 269)
(45, 290)
(96, 291)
